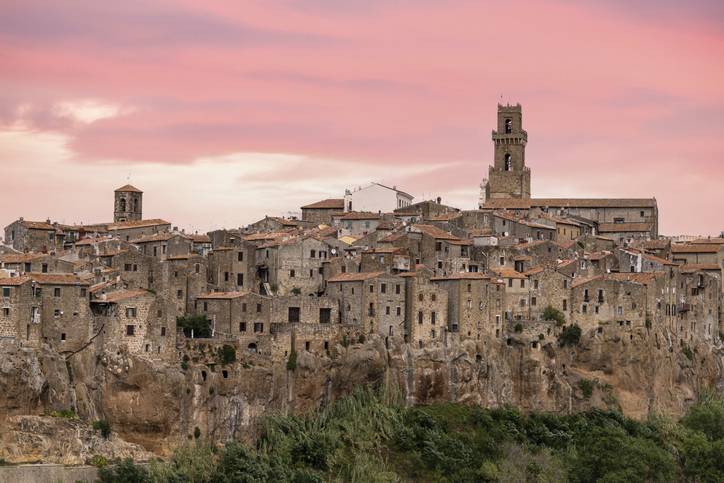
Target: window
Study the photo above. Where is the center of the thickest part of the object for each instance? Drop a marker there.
(397, 289)
(131, 312)
(312, 254)
(433, 297)
(508, 126)
(643, 214)
(56, 292)
(565, 283)
(383, 288)
(226, 276)
(501, 261)
(508, 162)
(243, 307)
(242, 326)
(421, 297)
(438, 246)
(293, 314)
(127, 267)
(179, 294)
(6, 292)
(130, 329)
(44, 268)
(522, 283)
(470, 288)
(240, 256)
(399, 311)
(83, 292)
(258, 308)
(372, 289)
(206, 306)
(584, 309)
(56, 313)
(433, 318)
(420, 317)
(325, 315)
(6, 312)
(258, 327)
(533, 301)
(510, 282)
(163, 331)
(240, 279)
(535, 284)
(565, 304)
(387, 310)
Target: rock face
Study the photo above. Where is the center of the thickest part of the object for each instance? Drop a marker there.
(153, 406)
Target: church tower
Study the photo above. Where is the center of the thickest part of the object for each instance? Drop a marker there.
(128, 204)
(508, 177)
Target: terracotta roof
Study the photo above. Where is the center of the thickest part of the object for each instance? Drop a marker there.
(360, 215)
(434, 232)
(460, 242)
(656, 259)
(444, 217)
(14, 281)
(38, 225)
(534, 271)
(355, 277)
(92, 241)
(119, 296)
(128, 189)
(57, 279)
(518, 203)
(695, 248)
(21, 257)
(711, 240)
(462, 276)
(507, 273)
(699, 267)
(199, 238)
(640, 278)
(122, 225)
(328, 204)
(222, 295)
(624, 227)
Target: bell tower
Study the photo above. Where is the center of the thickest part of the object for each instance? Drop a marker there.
(508, 177)
(128, 205)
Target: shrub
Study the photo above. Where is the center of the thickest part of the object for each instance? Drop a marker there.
(124, 472)
(551, 313)
(586, 387)
(198, 325)
(227, 354)
(571, 335)
(99, 461)
(103, 426)
(292, 361)
(296, 291)
(65, 413)
(688, 353)
(518, 328)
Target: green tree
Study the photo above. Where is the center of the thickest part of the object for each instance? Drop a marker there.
(551, 313)
(199, 325)
(570, 336)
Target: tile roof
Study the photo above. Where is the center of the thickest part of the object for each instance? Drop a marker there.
(462, 276)
(444, 217)
(328, 204)
(156, 237)
(119, 296)
(128, 189)
(20, 257)
(355, 277)
(222, 295)
(199, 238)
(518, 203)
(14, 281)
(123, 225)
(57, 279)
(435, 232)
(507, 273)
(624, 227)
(699, 267)
(360, 215)
(695, 248)
(92, 240)
(38, 225)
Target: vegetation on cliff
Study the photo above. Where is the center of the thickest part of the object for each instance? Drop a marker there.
(371, 437)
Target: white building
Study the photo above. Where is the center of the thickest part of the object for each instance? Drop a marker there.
(376, 198)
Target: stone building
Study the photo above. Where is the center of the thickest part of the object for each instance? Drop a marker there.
(517, 297)
(357, 223)
(238, 314)
(375, 301)
(426, 307)
(135, 229)
(128, 204)
(178, 281)
(475, 305)
(231, 268)
(548, 287)
(508, 177)
(34, 262)
(695, 253)
(439, 250)
(386, 259)
(19, 310)
(164, 244)
(34, 236)
(322, 211)
(376, 198)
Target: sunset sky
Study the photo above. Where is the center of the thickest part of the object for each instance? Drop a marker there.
(224, 111)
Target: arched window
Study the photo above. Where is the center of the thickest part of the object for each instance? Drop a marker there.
(508, 162)
(122, 205)
(508, 126)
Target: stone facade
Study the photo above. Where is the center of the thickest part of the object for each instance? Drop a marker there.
(128, 204)
(508, 177)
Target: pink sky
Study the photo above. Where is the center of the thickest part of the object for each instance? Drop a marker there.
(224, 113)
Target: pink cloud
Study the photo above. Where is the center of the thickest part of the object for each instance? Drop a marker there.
(605, 89)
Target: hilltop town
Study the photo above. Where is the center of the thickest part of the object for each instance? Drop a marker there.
(547, 304)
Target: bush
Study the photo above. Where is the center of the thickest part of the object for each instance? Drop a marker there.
(99, 461)
(227, 354)
(292, 361)
(570, 336)
(65, 413)
(296, 291)
(586, 386)
(103, 426)
(551, 313)
(124, 472)
(518, 328)
(198, 325)
(688, 353)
